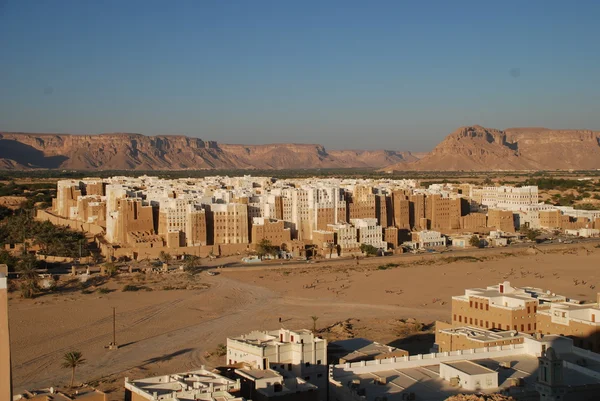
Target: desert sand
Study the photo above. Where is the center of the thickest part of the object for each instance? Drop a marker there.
(164, 331)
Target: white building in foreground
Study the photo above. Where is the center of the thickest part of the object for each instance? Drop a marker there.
(197, 385)
(518, 370)
(299, 353)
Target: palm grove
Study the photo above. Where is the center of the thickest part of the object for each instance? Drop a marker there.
(19, 227)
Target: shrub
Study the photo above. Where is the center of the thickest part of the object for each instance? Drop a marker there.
(221, 350)
(102, 290)
(130, 287)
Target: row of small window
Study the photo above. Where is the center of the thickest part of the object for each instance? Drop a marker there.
(487, 324)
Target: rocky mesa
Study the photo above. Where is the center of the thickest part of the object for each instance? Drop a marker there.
(472, 148)
(476, 148)
(122, 151)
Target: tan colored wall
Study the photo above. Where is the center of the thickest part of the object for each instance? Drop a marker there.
(133, 216)
(550, 219)
(273, 231)
(418, 211)
(401, 207)
(443, 213)
(232, 226)
(196, 231)
(96, 188)
(584, 335)
(325, 216)
(390, 235)
(501, 220)
(137, 397)
(362, 209)
(447, 342)
(473, 222)
(43, 215)
(383, 209)
(478, 313)
(140, 253)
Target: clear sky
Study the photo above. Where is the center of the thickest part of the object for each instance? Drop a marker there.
(346, 74)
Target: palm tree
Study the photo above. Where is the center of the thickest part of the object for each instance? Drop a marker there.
(314, 319)
(72, 360)
(27, 268)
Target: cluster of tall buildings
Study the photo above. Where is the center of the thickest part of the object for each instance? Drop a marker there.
(228, 214)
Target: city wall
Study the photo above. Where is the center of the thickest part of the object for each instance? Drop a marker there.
(140, 253)
(44, 215)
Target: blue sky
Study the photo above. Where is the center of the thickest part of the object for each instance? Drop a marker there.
(346, 74)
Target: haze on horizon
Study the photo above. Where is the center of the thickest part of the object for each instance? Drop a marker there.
(345, 74)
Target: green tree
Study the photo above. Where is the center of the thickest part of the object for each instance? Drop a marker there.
(529, 233)
(265, 248)
(368, 250)
(474, 241)
(27, 269)
(72, 360)
(5, 212)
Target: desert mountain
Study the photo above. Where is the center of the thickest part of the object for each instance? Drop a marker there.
(484, 149)
(472, 148)
(164, 152)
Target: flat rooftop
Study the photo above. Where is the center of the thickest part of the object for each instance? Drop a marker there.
(259, 374)
(181, 382)
(266, 338)
(468, 367)
(475, 333)
(425, 382)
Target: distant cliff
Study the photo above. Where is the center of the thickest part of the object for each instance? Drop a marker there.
(473, 148)
(164, 152)
(484, 149)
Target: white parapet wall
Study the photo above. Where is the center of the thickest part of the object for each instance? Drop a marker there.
(414, 361)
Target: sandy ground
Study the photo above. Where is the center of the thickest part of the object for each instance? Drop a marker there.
(164, 331)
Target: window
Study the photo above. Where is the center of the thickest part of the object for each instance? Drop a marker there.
(460, 319)
(307, 364)
(307, 378)
(476, 305)
(455, 317)
(470, 304)
(487, 306)
(289, 366)
(475, 322)
(318, 361)
(529, 327)
(470, 320)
